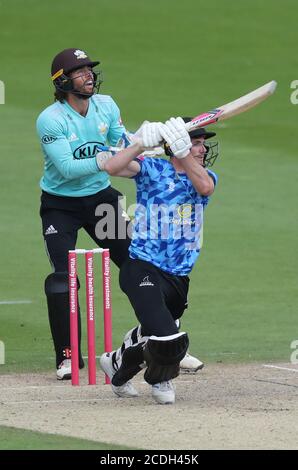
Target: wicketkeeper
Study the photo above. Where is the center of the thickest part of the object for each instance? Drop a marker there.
(74, 187)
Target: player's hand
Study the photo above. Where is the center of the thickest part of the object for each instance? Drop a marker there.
(148, 135)
(176, 136)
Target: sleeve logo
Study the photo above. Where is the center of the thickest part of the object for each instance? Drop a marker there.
(48, 139)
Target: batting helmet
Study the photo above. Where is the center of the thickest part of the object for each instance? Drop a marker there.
(66, 62)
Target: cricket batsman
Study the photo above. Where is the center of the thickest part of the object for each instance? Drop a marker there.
(166, 242)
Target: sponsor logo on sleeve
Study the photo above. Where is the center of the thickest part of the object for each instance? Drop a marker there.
(48, 139)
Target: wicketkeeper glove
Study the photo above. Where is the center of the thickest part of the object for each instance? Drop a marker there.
(176, 136)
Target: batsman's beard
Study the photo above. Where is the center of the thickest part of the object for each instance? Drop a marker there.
(84, 95)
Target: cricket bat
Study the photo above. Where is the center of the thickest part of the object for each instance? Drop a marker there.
(244, 103)
(226, 111)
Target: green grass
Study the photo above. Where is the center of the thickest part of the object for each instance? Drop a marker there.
(164, 58)
(21, 439)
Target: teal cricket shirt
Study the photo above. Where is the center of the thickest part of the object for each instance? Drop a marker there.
(69, 142)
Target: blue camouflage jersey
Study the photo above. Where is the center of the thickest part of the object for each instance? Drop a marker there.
(168, 218)
(69, 143)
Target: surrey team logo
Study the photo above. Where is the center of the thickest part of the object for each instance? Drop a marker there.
(80, 54)
(102, 127)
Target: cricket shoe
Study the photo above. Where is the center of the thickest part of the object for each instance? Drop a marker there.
(126, 390)
(190, 364)
(64, 370)
(164, 393)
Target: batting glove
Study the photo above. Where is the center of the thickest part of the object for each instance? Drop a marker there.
(148, 135)
(176, 136)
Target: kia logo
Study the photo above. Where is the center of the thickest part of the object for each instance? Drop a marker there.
(87, 150)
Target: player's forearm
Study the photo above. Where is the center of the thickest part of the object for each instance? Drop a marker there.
(121, 160)
(71, 168)
(59, 153)
(199, 177)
